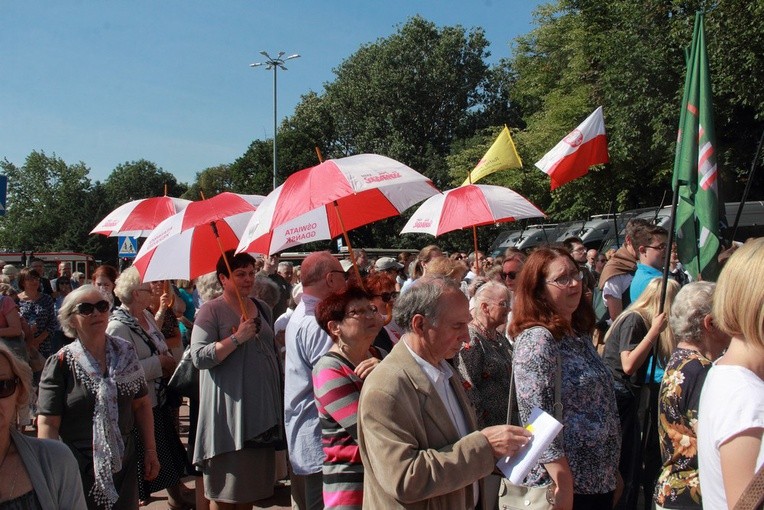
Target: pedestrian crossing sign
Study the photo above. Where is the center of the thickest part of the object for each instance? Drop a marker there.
(127, 246)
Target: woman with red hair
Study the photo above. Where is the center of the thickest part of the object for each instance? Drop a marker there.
(552, 325)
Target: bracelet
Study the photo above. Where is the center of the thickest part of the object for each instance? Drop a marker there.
(235, 341)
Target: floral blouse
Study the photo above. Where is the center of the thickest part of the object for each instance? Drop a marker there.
(678, 485)
(42, 313)
(486, 367)
(591, 436)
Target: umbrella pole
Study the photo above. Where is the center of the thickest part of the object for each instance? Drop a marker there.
(228, 267)
(474, 239)
(350, 248)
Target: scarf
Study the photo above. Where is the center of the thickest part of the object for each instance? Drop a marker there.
(123, 375)
(622, 262)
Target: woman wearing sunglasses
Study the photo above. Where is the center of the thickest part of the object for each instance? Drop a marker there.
(381, 287)
(34, 473)
(92, 394)
(352, 322)
(552, 325)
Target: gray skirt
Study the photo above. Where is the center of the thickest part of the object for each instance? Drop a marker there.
(242, 476)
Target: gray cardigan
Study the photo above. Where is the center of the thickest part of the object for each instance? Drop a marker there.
(53, 471)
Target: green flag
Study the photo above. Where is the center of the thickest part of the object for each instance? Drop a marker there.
(695, 170)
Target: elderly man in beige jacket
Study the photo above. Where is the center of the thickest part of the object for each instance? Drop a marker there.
(417, 431)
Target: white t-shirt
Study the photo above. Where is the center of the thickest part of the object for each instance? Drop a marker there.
(732, 401)
(617, 285)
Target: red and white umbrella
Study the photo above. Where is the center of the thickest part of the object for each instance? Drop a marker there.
(327, 200)
(139, 217)
(470, 206)
(185, 245)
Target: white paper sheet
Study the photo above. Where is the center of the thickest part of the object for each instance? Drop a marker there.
(544, 428)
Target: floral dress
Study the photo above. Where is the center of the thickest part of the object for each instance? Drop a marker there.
(678, 485)
(42, 313)
(591, 436)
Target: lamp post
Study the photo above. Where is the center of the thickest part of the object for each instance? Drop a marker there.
(274, 63)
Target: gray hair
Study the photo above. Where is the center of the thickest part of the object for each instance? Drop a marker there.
(691, 305)
(23, 371)
(490, 289)
(209, 286)
(126, 283)
(70, 302)
(423, 298)
(267, 290)
(284, 264)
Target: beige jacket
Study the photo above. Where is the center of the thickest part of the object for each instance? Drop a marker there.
(412, 454)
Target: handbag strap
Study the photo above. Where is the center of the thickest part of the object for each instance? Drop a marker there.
(753, 495)
(557, 408)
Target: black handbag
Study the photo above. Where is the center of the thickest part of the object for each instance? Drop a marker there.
(185, 380)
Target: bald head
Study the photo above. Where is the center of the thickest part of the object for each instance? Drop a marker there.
(321, 274)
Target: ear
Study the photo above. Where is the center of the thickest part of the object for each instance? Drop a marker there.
(417, 324)
(708, 323)
(334, 328)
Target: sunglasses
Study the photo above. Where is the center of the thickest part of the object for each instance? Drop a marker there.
(8, 387)
(87, 309)
(387, 296)
(511, 275)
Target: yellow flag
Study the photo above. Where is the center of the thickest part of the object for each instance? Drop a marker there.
(501, 156)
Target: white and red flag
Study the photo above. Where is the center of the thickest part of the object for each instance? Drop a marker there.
(585, 146)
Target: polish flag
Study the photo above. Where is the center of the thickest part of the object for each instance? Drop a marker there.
(583, 147)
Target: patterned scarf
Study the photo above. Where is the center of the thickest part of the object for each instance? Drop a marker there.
(124, 374)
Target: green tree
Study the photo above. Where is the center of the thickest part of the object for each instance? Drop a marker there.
(50, 205)
(139, 179)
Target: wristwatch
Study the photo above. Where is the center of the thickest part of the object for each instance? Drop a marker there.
(235, 340)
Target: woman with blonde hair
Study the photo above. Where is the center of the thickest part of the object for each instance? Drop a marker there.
(731, 417)
(629, 344)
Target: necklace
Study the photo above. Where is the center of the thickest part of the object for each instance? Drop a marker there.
(485, 331)
(13, 485)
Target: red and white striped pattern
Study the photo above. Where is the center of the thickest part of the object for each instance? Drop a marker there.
(139, 217)
(365, 188)
(184, 245)
(468, 206)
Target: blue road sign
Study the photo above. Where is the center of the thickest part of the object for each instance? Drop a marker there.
(127, 246)
(3, 193)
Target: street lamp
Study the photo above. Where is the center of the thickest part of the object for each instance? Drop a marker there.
(274, 63)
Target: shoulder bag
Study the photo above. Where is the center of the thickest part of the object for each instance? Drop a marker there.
(519, 497)
(185, 380)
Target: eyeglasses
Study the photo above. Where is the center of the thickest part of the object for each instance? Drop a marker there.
(579, 248)
(367, 312)
(8, 387)
(660, 247)
(343, 273)
(387, 296)
(87, 309)
(567, 280)
(510, 275)
(503, 303)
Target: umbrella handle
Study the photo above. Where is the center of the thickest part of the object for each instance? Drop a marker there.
(228, 267)
(350, 248)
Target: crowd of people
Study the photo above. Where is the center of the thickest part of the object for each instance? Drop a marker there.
(396, 382)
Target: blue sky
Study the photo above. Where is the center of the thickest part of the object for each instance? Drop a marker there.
(107, 82)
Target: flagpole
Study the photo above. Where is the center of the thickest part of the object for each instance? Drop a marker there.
(751, 173)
